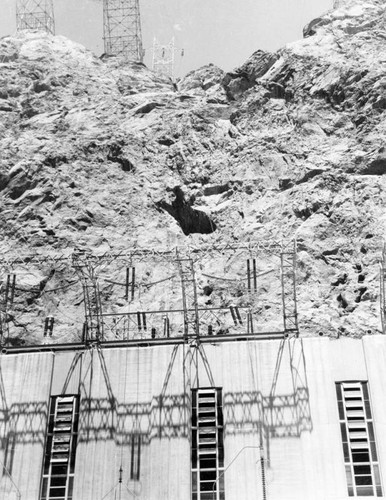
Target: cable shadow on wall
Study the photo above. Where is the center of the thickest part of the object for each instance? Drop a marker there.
(21, 423)
(107, 418)
(277, 414)
(273, 414)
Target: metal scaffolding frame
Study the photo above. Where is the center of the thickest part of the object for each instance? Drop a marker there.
(288, 284)
(122, 29)
(93, 326)
(188, 321)
(7, 296)
(189, 297)
(156, 254)
(35, 15)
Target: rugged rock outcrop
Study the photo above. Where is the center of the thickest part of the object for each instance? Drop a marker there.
(245, 77)
(100, 156)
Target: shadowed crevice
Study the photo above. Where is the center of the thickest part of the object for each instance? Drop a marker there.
(190, 219)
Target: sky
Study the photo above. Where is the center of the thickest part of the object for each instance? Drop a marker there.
(222, 32)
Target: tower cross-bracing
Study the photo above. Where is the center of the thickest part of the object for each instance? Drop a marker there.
(35, 15)
(122, 29)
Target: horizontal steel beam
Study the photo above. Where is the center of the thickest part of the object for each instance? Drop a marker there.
(208, 339)
(170, 311)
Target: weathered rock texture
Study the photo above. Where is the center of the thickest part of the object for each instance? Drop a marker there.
(101, 156)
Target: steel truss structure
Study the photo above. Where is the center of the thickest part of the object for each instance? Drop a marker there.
(190, 321)
(6, 301)
(189, 297)
(163, 58)
(288, 283)
(35, 15)
(122, 29)
(93, 326)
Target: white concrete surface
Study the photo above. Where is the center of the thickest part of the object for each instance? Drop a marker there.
(278, 395)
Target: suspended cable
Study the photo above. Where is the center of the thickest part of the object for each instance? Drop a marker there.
(118, 484)
(64, 287)
(143, 284)
(110, 491)
(37, 290)
(18, 494)
(220, 278)
(235, 279)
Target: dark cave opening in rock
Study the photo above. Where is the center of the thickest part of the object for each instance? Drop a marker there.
(207, 290)
(342, 301)
(360, 293)
(190, 219)
(116, 155)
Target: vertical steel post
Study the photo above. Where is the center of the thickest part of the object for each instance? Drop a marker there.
(189, 297)
(288, 284)
(83, 265)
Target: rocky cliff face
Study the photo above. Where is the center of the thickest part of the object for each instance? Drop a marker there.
(102, 156)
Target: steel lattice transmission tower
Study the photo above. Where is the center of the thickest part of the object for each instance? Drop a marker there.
(35, 15)
(163, 58)
(122, 29)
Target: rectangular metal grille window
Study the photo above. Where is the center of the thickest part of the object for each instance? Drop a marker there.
(59, 456)
(359, 450)
(207, 445)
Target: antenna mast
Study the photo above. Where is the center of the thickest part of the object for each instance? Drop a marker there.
(35, 15)
(163, 58)
(122, 29)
